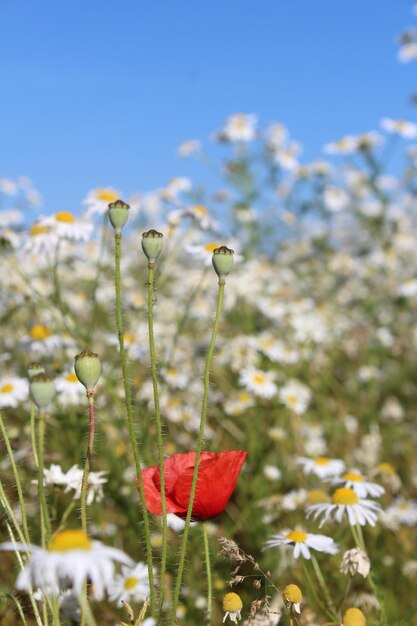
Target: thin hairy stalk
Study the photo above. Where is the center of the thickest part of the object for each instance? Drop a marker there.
(128, 404)
(45, 521)
(9, 513)
(208, 574)
(17, 479)
(324, 587)
(11, 597)
(198, 450)
(33, 432)
(311, 587)
(21, 565)
(88, 460)
(159, 435)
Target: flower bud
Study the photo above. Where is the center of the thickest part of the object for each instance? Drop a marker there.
(118, 214)
(223, 261)
(88, 369)
(35, 368)
(355, 561)
(42, 390)
(152, 243)
(292, 597)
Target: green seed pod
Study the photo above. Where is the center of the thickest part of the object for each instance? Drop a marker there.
(223, 261)
(118, 214)
(35, 368)
(152, 243)
(88, 369)
(42, 390)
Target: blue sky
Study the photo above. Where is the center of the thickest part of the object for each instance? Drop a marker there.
(101, 93)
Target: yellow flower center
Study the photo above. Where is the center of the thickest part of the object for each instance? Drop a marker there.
(209, 247)
(64, 216)
(352, 476)
(71, 378)
(244, 396)
(70, 540)
(321, 460)
(232, 602)
(7, 388)
(129, 338)
(292, 593)
(104, 195)
(172, 372)
(386, 468)
(292, 400)
(317, 496)
(199, 209)
(354, 617)
(344, 495)
(258, 378)
(39, 332)
(404, 506)
(131, 582)
(297, 536)
(37, 229)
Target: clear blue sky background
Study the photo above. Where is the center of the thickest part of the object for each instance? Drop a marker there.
(101, 92)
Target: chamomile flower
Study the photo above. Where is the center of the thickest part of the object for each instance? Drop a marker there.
(237, 403)
(401, 512)
(296, 396)
(363, 488)
(39, 238)
(66, 226)
(69, 388)
(345, 145)
(346, 501)
(302, 543)
(232, 606)
(97, 200)
(408, 130)
(131, 584)
(70, 559)
(292, 597)
(203, 217)
(12, 391)
(259, 382)
(321, 466)
(239, 127)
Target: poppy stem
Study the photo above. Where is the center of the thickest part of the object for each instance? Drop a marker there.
(45, 521)
(128, 403)
(208, 573)
(198, 450)
(88, 458)
(159, 437)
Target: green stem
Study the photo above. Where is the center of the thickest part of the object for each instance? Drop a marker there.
(33, 432)
(88, 459)
(45, 521)
(86, 610)
(208, 574)
(17, 479)
(198, 450)
(312, 589)
(128, 403)
(159, 437)
(324, 587)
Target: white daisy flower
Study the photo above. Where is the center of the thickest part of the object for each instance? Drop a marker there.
(69, 388)
(131, 584)
(294, 499)
(70, 560)
(41, 340)
(10, 217)
(66, 226)
(302, 542)
(401, 512)
(188, 147)
(237, 403)
(408, 130)
(175, 378)
(39, 239)
(175, 187)
(258, 382)
(321, 466)
(12, 391)
(295, 396)
(202, 217)
(239, 127)
(275, 349)
(345, 500)
(345, 145)
(98, 200)
(363, 488)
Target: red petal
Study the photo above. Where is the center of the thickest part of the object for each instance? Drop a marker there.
(217, 476)
(150, 477)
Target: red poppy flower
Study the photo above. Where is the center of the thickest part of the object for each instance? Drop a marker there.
(217, 476)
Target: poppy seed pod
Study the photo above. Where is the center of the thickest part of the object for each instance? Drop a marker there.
(35, 368)
(118, 212)
(42, 390)
(152, 242)
(88, 369)
(223, 261)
